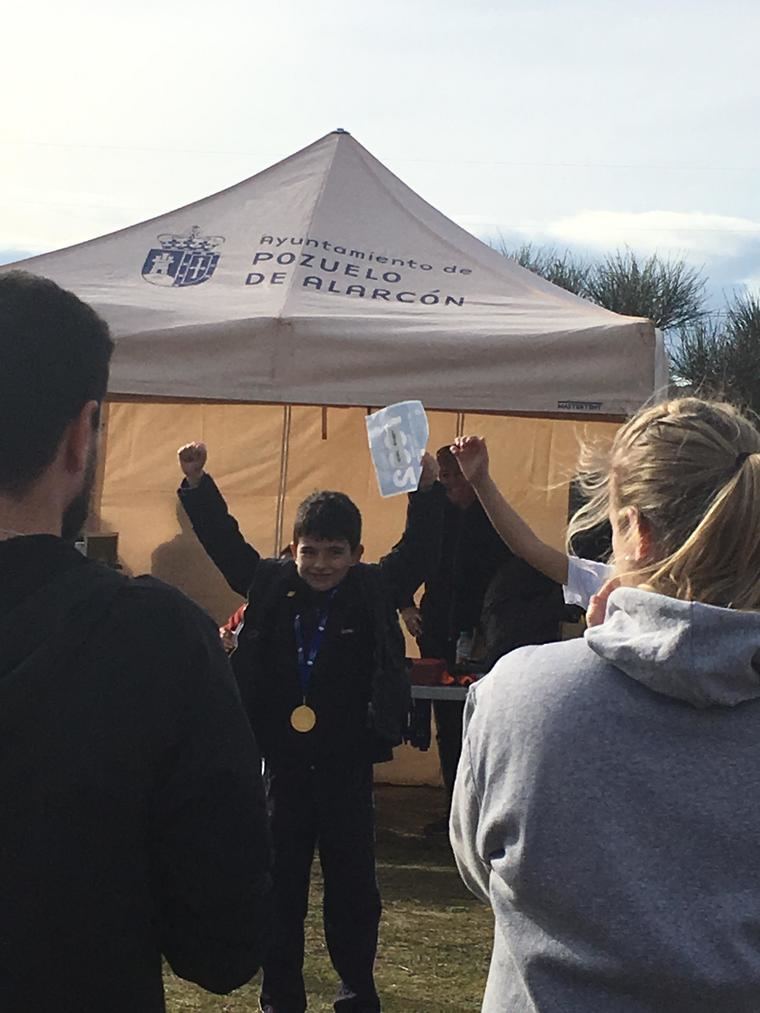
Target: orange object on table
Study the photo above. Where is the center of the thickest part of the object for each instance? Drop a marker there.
(462, 679)
(433, 672)
(427, 672)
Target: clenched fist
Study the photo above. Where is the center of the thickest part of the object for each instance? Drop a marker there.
(429, 472)
(412, 618)
(192, 460)
(471, 453)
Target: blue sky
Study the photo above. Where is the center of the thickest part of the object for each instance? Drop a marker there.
(593, 125)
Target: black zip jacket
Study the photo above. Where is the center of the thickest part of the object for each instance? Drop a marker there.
(133, 815)
(521, 607)
(467, 554)
(359, 687)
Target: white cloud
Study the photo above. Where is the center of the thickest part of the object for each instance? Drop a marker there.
(39, 227)
(693, 234)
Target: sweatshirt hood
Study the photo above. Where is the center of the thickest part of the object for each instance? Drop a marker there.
(40, 618)
(701, 654)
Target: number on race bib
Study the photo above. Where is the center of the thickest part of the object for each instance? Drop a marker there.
(400, 479)
(395, 440)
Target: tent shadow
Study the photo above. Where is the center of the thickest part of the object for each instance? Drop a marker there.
(431, 886)
(183, 563)
(96, 525)
(410, 864)
(397, 845)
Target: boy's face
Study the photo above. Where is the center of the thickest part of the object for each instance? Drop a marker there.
(323, 563)
(458, 489)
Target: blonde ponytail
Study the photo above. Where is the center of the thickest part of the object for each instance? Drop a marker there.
(691, 471)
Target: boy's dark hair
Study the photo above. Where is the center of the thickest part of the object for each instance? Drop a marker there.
(444, 457)
(331, 516)
(54, 356)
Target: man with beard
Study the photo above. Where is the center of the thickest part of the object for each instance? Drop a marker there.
(133, 811)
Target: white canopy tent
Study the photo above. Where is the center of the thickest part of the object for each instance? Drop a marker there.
(326, 280)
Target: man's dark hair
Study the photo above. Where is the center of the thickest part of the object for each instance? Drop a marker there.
(54, 356)
(444, 457)
(331, 516)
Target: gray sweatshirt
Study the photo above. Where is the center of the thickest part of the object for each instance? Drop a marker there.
(607, 806)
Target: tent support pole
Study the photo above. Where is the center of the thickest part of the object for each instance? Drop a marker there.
(287, 413)
(95, 520)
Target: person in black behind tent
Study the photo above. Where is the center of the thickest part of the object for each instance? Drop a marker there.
(130, 787)
(521, 607)
(320, 664)
(467, 556)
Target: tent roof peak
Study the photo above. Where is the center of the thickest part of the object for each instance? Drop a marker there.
(325, 279)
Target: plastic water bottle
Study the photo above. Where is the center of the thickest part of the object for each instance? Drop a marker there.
(464, 647)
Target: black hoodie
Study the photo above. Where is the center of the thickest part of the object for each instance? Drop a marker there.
(133, 818)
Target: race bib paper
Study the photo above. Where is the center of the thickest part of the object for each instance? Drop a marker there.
(398, 437)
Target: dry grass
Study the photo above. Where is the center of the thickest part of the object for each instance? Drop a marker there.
(434, 938)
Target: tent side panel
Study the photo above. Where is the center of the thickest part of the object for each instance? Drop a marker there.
(532, 461)
(138, 496)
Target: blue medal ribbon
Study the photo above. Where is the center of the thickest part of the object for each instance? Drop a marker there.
(308, 653)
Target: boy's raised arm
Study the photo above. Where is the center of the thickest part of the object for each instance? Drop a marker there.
(216, 528)
(471, 453)
(414, 556)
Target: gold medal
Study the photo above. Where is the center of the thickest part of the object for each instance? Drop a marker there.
(303, 718)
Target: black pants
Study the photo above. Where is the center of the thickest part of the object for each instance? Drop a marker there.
(448, 725)
(330, 805)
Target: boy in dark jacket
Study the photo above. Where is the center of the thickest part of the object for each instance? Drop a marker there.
(320, 664)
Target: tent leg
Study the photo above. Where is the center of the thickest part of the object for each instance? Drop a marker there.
(94, 520)
(287, 414)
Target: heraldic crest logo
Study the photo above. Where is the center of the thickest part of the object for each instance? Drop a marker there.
(182, 259)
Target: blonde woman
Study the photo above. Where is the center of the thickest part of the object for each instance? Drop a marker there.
(607, 803)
